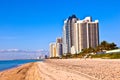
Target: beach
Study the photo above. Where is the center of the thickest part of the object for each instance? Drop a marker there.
(25, 72)
(66, 69)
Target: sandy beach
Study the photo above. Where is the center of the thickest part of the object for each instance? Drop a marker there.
(25, 72)
(66, 69)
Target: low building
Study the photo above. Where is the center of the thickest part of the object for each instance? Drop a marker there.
(113, 51)
(56, 49)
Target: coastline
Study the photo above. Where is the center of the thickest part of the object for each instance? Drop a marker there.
(9, 64)
(22, 72)
(65, 69)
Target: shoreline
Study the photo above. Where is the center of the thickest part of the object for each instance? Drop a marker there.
(19, 73)
(10, 64)
(65, 69)
(12, 67)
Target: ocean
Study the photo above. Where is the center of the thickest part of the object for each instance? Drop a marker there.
(8, 64)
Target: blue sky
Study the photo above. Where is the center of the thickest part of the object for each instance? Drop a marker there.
(33, 24)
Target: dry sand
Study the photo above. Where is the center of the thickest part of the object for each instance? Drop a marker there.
(99, 69)
(66, 69)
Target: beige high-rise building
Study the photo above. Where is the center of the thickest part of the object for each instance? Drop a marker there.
(59, 47)
(53, 50)
(86, 34)
(59, 40)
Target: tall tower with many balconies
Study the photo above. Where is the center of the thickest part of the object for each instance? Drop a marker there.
(68, 33)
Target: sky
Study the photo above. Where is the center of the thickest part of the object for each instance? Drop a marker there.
(33, 24)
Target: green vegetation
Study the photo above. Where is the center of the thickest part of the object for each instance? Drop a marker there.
(107, 56)
(54, 57)
(104, 45)
(107, 46)
(69, 55)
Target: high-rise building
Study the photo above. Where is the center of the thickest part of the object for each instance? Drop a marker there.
(68, 33)
(87, 34)
(53, 50)
(80, 34)
(59, 40)
(59, 47)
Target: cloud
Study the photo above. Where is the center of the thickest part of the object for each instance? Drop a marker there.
(10, 54)
(22, 51)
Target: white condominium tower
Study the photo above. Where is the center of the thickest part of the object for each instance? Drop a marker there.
(80, 34)
(87, 34)
(68, 33)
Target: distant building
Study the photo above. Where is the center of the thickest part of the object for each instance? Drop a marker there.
(59, 40)
(56, 48)
(46, 56)
(59, 47)
(113, 51)
(53, 50)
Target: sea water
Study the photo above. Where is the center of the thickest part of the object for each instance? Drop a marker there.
(8, 64)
